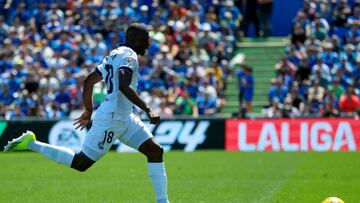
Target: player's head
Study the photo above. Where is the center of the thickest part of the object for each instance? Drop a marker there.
(137, 37)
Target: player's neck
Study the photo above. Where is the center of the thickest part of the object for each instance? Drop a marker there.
(134, 48)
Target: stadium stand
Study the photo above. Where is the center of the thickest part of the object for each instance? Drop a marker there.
(50, 46)
(319, 74)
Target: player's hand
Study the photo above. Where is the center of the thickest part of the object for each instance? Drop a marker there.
(83, 120)
(154, 118)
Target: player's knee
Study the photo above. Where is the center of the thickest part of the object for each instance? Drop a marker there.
(156, 152)
(81, 167)
(159, 151)
(81, 163)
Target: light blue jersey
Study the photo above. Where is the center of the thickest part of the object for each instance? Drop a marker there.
(115, 102)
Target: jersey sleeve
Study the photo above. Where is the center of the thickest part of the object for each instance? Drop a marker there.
(126, 62)
(98, 70)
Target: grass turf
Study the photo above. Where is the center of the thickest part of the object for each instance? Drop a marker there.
(203, 176)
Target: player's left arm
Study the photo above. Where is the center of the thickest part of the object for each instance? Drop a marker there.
(89, 83)
(125, 76)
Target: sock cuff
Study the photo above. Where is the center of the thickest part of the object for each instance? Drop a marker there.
(156, 168)
(34, 146)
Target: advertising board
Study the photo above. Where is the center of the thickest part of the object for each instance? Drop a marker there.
(292, 135)
(181, 134)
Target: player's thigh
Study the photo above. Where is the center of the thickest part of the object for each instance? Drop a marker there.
(99, 139)
(136, 133)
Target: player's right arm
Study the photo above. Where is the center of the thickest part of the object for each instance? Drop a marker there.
(125, 76)
(89, 83)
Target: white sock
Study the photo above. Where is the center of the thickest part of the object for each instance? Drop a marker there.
(61, 155)
(157, 174)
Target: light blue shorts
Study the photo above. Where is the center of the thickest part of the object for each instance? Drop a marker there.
(105, 131)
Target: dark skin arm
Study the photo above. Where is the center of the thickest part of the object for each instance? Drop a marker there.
(124, 86)
(85, 117)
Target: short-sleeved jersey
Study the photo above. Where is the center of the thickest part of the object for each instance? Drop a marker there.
(115, 102)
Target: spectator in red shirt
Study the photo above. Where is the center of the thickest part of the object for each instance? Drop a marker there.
(349, 102)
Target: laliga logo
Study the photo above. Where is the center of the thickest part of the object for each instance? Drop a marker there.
(318, 136)
(64, 134)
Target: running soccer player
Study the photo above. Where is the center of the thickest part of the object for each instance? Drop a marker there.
(114, 119)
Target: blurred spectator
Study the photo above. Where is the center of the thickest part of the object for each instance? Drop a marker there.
(265, 16)
(330, 107)
(231, 15)
(288, 110)
(206, 105)
(251, 17)
(329, 57)
(277, 92)
(304, 70)
(164, 109)
(349, 101)
(63, 97)
(55, 11)
(285, 65)
(274, 111)
(20, 13)
(186, 105)
(14, 112)
(344, 71)
(329, 110)
(355, 16)
(321, 71)
(297, 100)
(336, 88)
(353, 33)
(32, 84)
(52, 111)
(76, 95)
(350, 54)
(4, 28)
(246, 87)
(317, 31)
(316, 92)
(14, 83)
(153, 100)
(340, 14)
(6, 97)
(100, 47)
(298, 34)
(49, 82)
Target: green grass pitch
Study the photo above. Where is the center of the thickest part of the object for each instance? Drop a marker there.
(203, 176)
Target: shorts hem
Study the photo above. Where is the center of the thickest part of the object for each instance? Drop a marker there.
(91, 153)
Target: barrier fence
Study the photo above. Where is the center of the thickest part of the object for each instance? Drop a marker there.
(340, 134)
(183, 134)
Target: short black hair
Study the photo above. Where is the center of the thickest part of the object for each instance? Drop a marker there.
(134, 31)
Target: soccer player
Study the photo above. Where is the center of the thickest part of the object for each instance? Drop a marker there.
(114, 119)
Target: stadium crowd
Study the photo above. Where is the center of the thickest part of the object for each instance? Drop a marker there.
(319, 75)
(50, 46)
